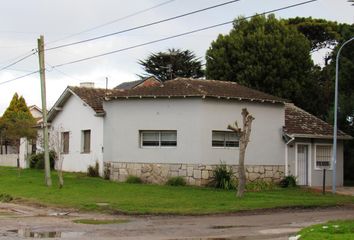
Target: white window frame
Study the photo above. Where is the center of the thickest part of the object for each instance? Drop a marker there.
(141, 132)
(315, 156)
(224, 147)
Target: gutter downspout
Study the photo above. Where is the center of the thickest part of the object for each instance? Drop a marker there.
(286, 154)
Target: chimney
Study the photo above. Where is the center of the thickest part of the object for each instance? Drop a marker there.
(87, 84)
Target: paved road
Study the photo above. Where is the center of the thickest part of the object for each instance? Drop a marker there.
(18, 222)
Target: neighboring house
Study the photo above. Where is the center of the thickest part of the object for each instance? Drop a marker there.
(36, 113)
(9, 155)
(308, 147)
(158, 130)
(77, 117)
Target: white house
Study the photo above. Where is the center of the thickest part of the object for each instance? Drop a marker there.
(158, 130)
(77, 117)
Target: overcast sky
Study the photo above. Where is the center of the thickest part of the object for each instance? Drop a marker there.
(22, 22)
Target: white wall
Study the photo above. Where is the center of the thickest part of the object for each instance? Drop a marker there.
(8, 160)
(75, 117)
(194, 119)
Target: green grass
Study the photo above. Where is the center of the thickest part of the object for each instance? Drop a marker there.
(86, 193)
(334, 230)
(100, 221)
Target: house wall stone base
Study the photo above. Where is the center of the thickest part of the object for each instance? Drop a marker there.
(194, 174)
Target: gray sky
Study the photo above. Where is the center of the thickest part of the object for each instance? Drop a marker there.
(23, 21)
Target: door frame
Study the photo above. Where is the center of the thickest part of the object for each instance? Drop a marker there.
(309, 160)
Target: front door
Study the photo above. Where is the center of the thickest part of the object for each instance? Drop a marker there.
(302, 164)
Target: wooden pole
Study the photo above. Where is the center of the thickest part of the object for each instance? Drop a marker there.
(48, 179)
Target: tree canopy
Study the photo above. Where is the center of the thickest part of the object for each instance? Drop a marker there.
(17, 121)
(320, 32)
(265, 54)
(171, 64)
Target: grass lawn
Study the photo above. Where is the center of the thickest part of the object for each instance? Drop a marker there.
(343, 230)
(97, 194)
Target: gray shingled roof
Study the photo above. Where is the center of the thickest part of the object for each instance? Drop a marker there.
(129, 85)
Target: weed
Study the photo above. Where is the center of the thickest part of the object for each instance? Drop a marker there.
(259, 185)
(176, 181)
(93, 171)
(4, 197)
(288, 181)
(133, 179)
(223, 177)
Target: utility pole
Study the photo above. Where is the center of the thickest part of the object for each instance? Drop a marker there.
(334, 152)
(48, 179)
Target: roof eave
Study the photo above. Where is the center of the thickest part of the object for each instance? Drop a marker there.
(55, 109)
(111, 98)
(342, 137)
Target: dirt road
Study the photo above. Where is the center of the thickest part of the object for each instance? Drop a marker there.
(18, 222)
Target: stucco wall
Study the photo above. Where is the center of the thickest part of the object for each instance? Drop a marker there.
(315, 176)
(194, 120)
(75, 117)
(8, 160)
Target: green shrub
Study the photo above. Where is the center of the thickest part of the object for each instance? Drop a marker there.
(93, 171)
(4, 197)
(260, 185)
(288, 181)
(37, 160)
(106, 173)
(176, 181)
(133, 179)
(223, 177)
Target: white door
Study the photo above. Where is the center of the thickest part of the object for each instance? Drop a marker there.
(302, 164)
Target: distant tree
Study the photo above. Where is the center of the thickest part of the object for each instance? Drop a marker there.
(320, 32)
(17, 122)
(171, 64)
(265, 54)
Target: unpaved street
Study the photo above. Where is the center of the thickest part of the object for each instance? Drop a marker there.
(19, 222)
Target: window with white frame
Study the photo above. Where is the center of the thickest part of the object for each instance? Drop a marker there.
(158, 138)
(323, 156)
(224, 139)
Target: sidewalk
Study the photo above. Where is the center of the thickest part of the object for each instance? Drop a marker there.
(339, 190)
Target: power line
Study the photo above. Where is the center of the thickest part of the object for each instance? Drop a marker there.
(23, 76)
(61, 72)
(20, 60)
(179, 35)
(142, 26)
(115, 20)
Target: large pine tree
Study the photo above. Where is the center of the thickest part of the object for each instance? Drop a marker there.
(17, 122)
(172, 64)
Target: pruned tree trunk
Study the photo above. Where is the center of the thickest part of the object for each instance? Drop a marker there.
(60, 171)
(244, 138)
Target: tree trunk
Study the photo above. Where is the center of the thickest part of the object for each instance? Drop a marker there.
(60, 172)
(244, 137)
(241, 172)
